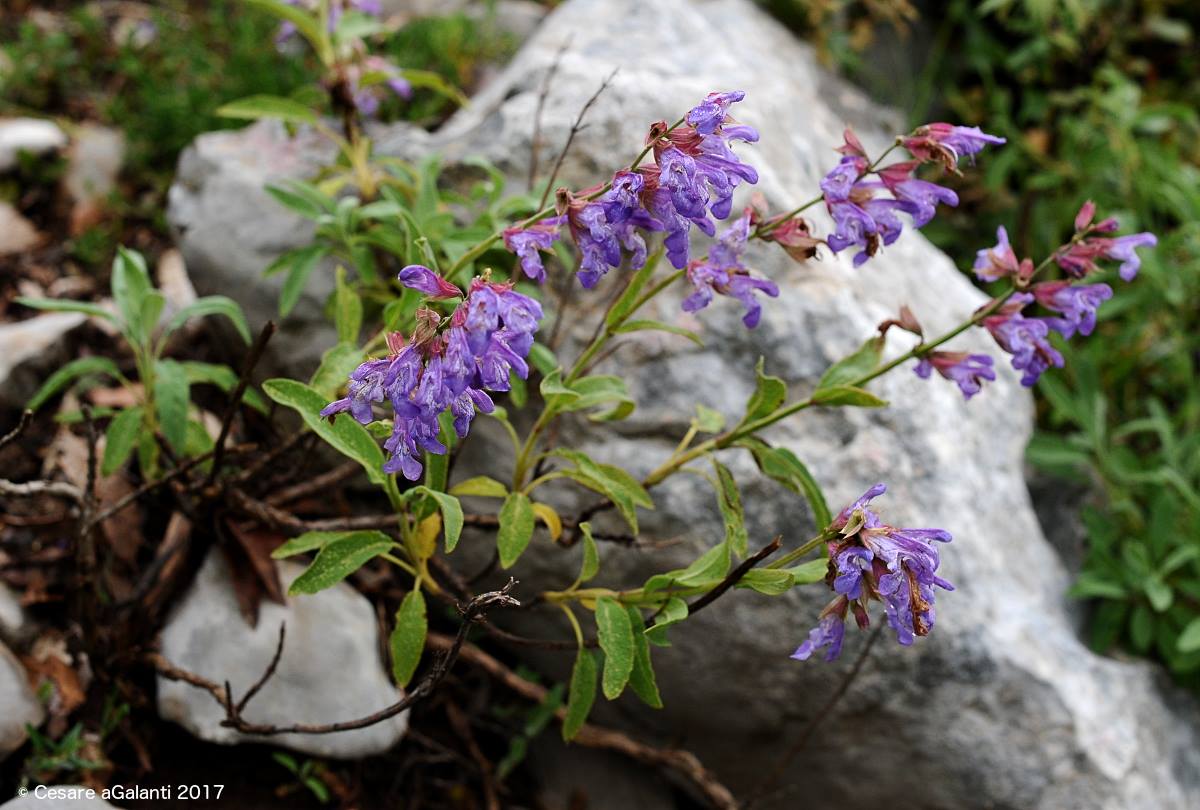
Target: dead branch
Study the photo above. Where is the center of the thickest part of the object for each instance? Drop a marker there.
(315, 484)
(735, 576)
(575, 130)
(535, 142)
(59, 489)
(12, 435)
(235, 397)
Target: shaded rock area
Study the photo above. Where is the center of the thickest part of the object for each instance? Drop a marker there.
(1002, 706)
(329, 671)
(18, 704)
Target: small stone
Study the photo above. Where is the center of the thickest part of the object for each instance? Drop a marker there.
(329, 671)
(33, 135)
(18, 704)
(17, 234)
(94, 161)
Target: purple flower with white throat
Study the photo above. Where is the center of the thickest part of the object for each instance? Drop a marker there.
(722, 272)
(996, 262)
(872, 561)
(920, 199)
(1077, 303)
(527, 244)
(1026, 339)
(966, 370)
(367, 386)
(709, 114)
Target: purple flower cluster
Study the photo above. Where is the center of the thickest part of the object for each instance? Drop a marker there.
(968, 371)
(870, 560)
(722, 272)
(866, 211)
(947, 144)
(692, 179)
(447, 365)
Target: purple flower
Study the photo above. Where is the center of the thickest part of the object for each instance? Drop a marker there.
(838, 184)
(872, 561)
(1026, 339)
(527, 242)
(829, 632)
(1076, 302)
(967, 370)
(1122, 249)
(422, 279)
(853, 226)
(445, 366)
(947, 144)
(709, 114)
(997, 262)
(722, 272)
(920, 199)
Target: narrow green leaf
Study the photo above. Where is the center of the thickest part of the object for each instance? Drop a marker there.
(601, 389)
(863, 361)
(847, 395)
(308, 541)
(769, 393)
(616, 484)
(452, 515)
(642, 679)
(480, 486)
(408, 637)
(581, 695)
(347, 309)
(343, 433)
(339, 559)
(616, 639)
(297, 277)
(1189, 639)
(810, 572)
(213, 305)
(120, 439)
(336, 364)
(591, 555)
(65, 305)
(223, 377)
(308, 202)
(730, 502)
(152, 307)
(72, 371)
(783, 466)
(771, 581)
(264, 106)
(674, 610)
(305, 21)
(130, 284)
(658, 326)
(171, 401)
(516, 528)
(708, 420)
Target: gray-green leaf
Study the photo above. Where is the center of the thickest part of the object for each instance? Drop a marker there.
(516, 528)
(581, 695)
(340, 559)
(616, 639)
(408, 637)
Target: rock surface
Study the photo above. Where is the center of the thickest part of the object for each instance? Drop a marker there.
(1002, 706)
(30, 347)
(12, 616)
(329, 671)
(66, 797)
(32, 135)
(18, 704)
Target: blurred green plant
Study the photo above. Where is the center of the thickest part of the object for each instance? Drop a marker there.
(1099, 100)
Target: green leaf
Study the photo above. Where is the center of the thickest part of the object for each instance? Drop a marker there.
(1141, 628)
(658, 326)
(708, 569)
(616, 639)
(429, 80)
(642, 679)
(302, 198)
(782, 465)
(307, 542)
(297, 277)
(516, 528)
(810, 572)
(347, 309)
(130, 284)
(336, 364)
(616, 484)
(72, 371)
(120, 439)
(452, 514)
(343, 433)
(674, 610)
(599, 390)
(1189, 639)
(557, 395)
(480, 486)
(264, 106)
(847, 395)
(212, 305)
(591, 555)
(408, 636)
(581, 695)
(171, 401)
(769, 393)
(64, 305)
(862, 362)
(771, 581)
(543, 359)
(339, 559)
(1159, 593)
(708, 420)
(730, 502)
(152, 308)
(223, 377)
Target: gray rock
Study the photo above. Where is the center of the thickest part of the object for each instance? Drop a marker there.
(33, 135)
(18, 704)
(12, 615)
(1002, 706)
(58, 797)
(330, 668)
(30, 348)
(570, 776)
